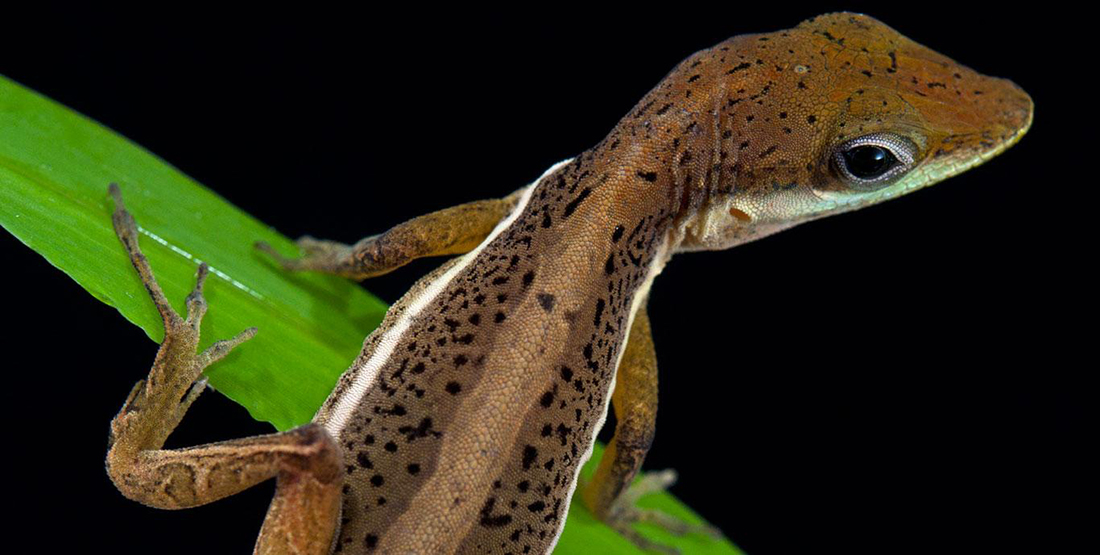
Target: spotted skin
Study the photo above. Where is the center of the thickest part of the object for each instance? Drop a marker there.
(464, 420)
(465, 380)
(474, 429)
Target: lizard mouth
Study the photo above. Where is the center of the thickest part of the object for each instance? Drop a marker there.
(1025, 117)
(958, 153)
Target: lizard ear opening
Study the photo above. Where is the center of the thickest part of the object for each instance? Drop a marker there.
(871, 162)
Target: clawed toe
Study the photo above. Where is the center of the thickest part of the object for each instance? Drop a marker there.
(625, 513)
(182, 366)
(265, 247)
(317, 255)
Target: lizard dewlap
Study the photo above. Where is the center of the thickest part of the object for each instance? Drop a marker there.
(463, 423)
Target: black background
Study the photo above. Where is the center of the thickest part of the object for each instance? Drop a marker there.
(901, 379)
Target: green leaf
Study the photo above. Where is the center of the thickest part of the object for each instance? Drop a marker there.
(54, 169)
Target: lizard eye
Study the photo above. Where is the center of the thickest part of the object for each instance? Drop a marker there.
(874, 161)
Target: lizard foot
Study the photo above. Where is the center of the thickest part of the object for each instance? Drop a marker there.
(176, 376)
(318, 254)
(624, 513)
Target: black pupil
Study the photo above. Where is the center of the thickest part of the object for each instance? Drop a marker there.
(868, 161)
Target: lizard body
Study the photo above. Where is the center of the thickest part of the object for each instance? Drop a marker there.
(462, 425)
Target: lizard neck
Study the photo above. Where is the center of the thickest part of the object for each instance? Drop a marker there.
(670, 156)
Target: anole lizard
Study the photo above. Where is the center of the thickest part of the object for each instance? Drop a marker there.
(462, 424)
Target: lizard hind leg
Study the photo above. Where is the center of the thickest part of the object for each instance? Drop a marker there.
(304, 515)
(175, 380)
(612, 494)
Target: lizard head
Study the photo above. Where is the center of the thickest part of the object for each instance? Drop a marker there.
(843, 112)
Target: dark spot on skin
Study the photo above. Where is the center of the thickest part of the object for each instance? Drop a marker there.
(546, 430)
(529, 456)
(547, 398)
(566, 373)
(499, 317)
(377, 480)
(418, 369)
(573, 204)
(474, 319)
(648, 176)
(528, 278)
(739, 67)
(609, 266)
(488, 519)
(413, 469)
(546, 301)
(599, 313)
(453, 388)
(563, 431)
(363, 460)
(522, 486)
(500, 280)
(372, 541)
(536, 507)
(390, 446)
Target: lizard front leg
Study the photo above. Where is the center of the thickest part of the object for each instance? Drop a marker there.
(304, 514)
(610, 495)
(455, 230)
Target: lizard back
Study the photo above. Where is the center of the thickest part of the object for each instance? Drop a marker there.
(471, 409)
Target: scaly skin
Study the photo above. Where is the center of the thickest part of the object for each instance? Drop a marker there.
(463, 422)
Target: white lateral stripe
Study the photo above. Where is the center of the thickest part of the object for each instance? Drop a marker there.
(655, 268)
(368, 373)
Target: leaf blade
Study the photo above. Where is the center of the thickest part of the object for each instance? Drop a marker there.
(54, 169)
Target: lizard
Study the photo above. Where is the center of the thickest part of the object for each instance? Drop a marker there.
(463, 423)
